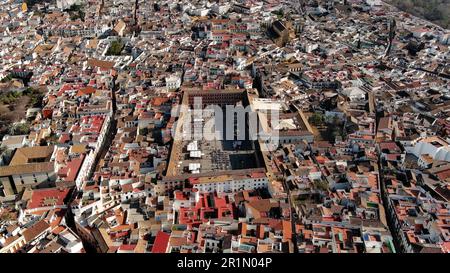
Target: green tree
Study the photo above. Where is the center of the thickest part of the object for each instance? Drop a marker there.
(20, 129)
(316, 119)
(115, 48)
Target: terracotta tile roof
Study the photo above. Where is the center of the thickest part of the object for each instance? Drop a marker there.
(47, 197)
(161, 242)
(101, 64)
(86, 91)
(27, 154)
(45, 167)
(34, 231)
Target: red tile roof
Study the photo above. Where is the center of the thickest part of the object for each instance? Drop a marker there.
(47, 197)
(127, 247)
(70, 171)
(86, 91)
(161, 242)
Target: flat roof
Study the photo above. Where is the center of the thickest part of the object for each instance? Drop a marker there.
(225, 177)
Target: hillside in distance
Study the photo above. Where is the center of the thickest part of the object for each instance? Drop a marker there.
(436, 11)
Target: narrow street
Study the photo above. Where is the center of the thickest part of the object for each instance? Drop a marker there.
(384, 197)
(293, 220)
(109, 137)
